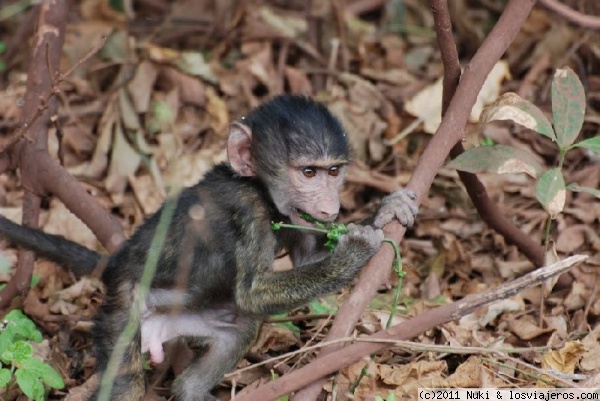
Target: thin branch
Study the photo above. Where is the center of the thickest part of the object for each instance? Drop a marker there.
(49, 40)
(487, 210)
(585, 21)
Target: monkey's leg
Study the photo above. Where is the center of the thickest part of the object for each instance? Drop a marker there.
(224, 351)
(129, 381)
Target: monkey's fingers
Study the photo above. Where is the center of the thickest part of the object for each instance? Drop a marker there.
(370, 235)
(399, 205)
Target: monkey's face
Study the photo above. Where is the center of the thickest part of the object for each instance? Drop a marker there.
(311, 188)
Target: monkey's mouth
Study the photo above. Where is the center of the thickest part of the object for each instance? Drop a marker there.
(301, 218)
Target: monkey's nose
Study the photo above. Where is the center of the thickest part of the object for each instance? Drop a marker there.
(327, 214)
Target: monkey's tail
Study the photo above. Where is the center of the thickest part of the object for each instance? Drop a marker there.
(77, 258)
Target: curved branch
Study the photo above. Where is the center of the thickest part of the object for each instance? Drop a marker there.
(585, 21)
(448, 134)
(64, 186)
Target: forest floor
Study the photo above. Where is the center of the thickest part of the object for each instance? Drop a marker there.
(149, 113)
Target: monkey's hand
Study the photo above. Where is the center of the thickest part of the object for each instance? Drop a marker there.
(356, 247)
(401, 205)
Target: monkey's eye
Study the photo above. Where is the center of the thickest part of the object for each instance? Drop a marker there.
(309, 172)
(334, 171)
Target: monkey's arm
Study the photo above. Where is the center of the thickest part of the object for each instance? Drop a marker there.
(262, 291)
(78, 259)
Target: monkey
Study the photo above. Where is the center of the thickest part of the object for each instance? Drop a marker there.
(214, 283)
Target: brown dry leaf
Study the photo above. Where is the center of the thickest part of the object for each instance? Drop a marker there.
(189, 168)
(101, 10)
(273, 337)
(125, 161)
(554, 42)
(571, 238)
(260, 66)
(219, 113)
(526, 328)
(149, 197)
(463, 228)
(396, 76)
(360, 119)
(298, 81)
(558, 324)
(77, 143)
(80, 38)
(577, 298)
(471, 374)
(106, 126)
(511, 269)
(35, 308)
(551, 257)
(75, 299)
(350, 374)
(590, 360)
(563, 360)
(140, 88)
(414, 375)
(286, 25)
(189, 62)
(191, 89)
(427, 104)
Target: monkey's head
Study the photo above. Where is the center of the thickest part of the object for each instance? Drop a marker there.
(298, 149)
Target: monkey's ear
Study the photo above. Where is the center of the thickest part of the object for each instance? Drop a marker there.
(238, 149)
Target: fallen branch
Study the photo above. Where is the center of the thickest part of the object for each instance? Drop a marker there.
(408, 329)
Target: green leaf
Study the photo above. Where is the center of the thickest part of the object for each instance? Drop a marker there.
(51, 377)
(551, 192)
(21, 351)
(30, 384)
(568, 106)
(5, 377)
(499, 159)
(22, 327)
(578, 188)
(511, 106)
(592, 144)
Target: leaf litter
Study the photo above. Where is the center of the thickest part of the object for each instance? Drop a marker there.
(149, 114)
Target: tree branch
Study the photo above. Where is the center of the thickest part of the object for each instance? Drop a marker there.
(585, 21)
(448, 134)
